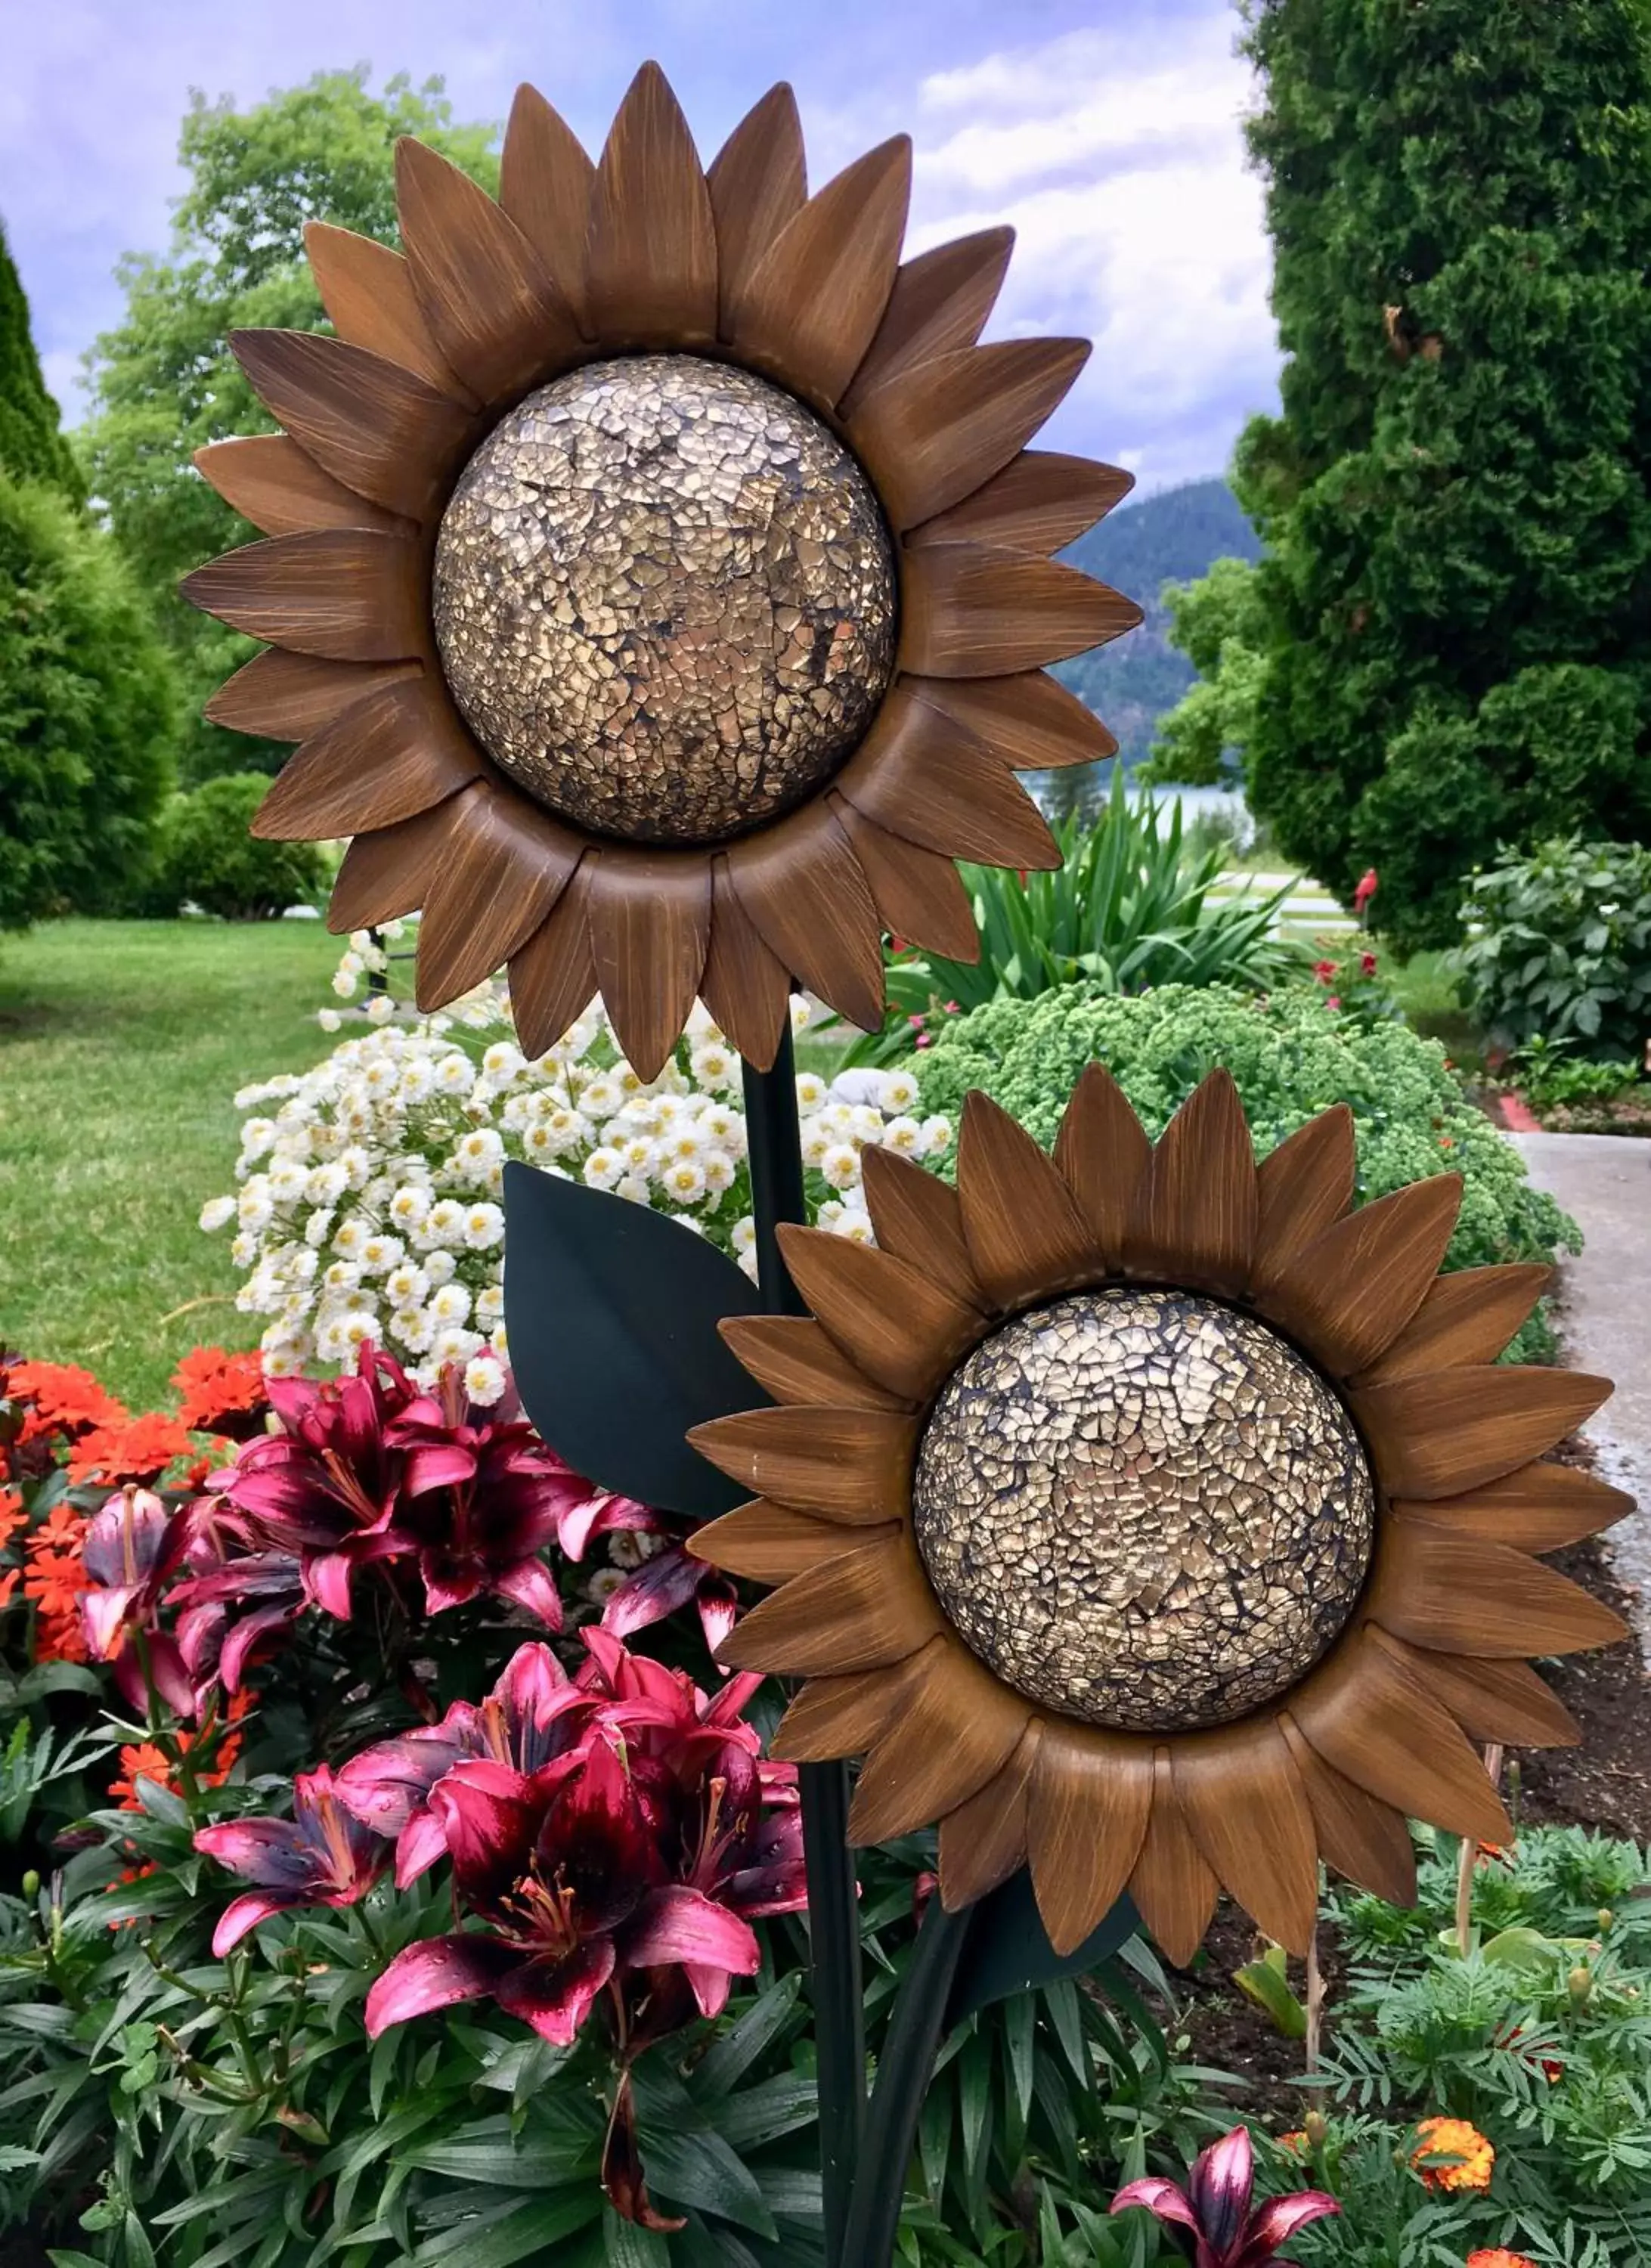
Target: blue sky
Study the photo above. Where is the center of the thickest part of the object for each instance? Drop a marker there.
(1108, 134)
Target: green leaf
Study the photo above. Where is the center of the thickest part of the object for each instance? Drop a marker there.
(1265, 1982)
(738, 2047)
(628, 2246)
(700, 2169)
(521, 2230)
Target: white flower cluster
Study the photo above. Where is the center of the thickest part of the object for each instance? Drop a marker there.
(368, 1202)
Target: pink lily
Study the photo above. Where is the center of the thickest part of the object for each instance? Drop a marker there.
(321, 1856)
(133, 1543)
(1215, 2206)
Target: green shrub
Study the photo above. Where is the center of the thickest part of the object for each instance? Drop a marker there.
(1130, 906)
(207, 856)
(1290, 1058)
(1563, 952)
(87, 712)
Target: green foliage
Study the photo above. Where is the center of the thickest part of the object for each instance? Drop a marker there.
(1129, 906)
(1554, 1079)
(87, 712)
(1540, 2038)
(31, 445)
(1216, 623)
(1141, 550)
(1455, 498)
(234, 2108)
(1562, 950)
(1292, 1057)
(164, 383)
(206, 855)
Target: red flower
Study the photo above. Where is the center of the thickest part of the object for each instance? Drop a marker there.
(1364, 890)
(368, 1469)
(138, 1449)
(62, 1399)
(54, 1578)
(1367, 964)
(1215, 2206)
(634, 1860)
(324, 1488)
(1325, 971)
(480, 1499)
(321, 1856)
(222, 1393)
(535, 1713)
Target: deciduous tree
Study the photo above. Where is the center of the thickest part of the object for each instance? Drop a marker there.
(164, 382)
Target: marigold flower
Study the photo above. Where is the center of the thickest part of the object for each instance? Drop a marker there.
(1497, 2256)
(1451, 2154)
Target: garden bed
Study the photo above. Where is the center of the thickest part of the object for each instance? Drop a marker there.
(1603, 1785)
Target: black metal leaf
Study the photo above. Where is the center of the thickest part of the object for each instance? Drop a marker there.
(1007, 1949)
(612, 1311)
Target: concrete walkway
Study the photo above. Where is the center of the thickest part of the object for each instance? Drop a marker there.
(1604, 1182)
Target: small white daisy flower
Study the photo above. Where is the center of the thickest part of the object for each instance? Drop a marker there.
(217, 1212)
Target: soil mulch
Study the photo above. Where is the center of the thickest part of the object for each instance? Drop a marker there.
(1603, 1783)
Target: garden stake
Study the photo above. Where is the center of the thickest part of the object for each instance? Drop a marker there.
(775, 1152)
(916, 2028)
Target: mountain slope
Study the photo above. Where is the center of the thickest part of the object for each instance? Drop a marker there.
(1171, 537)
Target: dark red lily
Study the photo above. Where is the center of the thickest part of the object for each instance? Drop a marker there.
(565, 1866)
(132, 1545)
(1215, 2206)
(324, 1488)
(533, 1713)
(480, 1499)
(321, 1856)
(229, 1606)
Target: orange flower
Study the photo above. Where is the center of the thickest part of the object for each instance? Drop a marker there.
(148, 1760)
(1295, 2140)
(9, 1583)
(1497, 2256)
(53, 1580)
(11, 1515)
(218, 1389)
(1462, 2157)
(61, 1398)
(141, 1760)
(137, 1450)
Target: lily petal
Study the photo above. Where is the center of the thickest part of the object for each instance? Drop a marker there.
(434, 1975)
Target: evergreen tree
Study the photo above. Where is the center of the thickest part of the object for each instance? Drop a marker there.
(164, 383)
(88, 713)
(1455, 600)
(31, 445)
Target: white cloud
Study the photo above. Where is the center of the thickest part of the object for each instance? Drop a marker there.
(1118, 158)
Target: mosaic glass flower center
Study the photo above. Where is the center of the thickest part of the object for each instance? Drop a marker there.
(1143, 1509)
(665, 599)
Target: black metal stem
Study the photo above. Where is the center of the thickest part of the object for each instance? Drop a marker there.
(916, 2025)
(775, 1152)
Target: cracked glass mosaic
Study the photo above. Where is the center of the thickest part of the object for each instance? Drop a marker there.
(1143, 1509)
(665, 599)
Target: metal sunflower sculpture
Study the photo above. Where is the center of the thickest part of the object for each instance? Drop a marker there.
(657, 578)
(1156, 1520)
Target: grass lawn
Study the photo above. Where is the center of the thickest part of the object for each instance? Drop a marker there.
(121, 1045)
